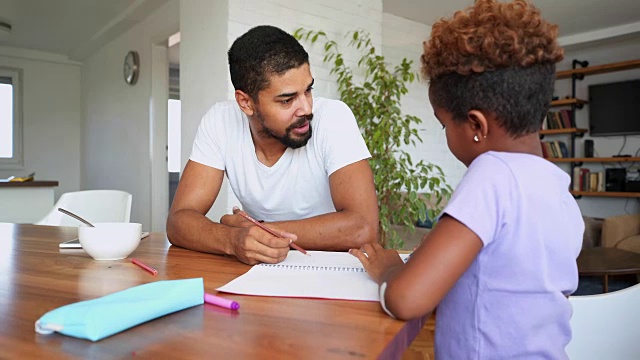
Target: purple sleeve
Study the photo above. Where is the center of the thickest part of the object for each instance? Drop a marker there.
(481, 199)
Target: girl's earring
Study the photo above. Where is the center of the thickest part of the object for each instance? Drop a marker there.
(475, 138)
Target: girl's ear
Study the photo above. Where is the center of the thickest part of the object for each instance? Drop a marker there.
(245, 102)
(478, 124)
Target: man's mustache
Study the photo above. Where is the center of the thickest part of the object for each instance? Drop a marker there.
(300, 122)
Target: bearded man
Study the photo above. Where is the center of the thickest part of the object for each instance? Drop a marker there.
(295, 162)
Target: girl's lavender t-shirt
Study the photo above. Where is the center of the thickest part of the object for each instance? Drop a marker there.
(511, 302)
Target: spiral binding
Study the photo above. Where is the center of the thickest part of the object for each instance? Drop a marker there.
(315, 267)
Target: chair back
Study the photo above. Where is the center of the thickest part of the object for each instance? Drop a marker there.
(91, 205)
(606, 326)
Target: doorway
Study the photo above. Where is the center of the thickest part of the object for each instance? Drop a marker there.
(174, 122)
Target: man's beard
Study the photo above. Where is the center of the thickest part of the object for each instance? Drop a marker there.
(287, 139)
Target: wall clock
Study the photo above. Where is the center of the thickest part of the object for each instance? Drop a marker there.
(131, 67)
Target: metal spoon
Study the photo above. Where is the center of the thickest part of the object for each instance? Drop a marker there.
(67, 212)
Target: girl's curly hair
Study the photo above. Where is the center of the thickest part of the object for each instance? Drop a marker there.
(490, 36)
(497, 57)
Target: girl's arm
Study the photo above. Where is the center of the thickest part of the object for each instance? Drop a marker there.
(415, 289)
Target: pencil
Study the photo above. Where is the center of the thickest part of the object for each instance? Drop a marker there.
(145, 267)
(258, 224)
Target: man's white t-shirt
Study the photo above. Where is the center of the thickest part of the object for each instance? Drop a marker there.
(297, 186)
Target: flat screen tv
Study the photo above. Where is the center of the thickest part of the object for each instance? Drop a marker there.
(614, 109)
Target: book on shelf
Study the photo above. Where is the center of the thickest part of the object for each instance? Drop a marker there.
(564, 150)
(554, 149)
(561, 119)
(586, 180)
(567, 118)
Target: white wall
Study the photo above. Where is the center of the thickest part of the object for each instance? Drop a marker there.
(600, 54)
(204, 73)
(51, 116)
(116, 132)
(403, 38)
(335, 17)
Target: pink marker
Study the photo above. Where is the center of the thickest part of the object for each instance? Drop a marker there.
(220, 301)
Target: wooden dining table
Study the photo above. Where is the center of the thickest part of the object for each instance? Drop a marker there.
(36, 276)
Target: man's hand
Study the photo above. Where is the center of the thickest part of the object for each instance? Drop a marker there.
(254, 244)
(377, 260)
(235, 219)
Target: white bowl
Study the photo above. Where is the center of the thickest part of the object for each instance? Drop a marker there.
(110, 241)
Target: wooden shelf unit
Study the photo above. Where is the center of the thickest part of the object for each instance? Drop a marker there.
(594, 159)
(568, 102)
(607, 194)
(599, 69)
(563, 131)
(579, 71)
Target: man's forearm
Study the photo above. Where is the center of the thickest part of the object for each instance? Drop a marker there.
(338, 231)
(192, 230)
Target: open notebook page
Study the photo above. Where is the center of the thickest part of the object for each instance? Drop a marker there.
(323, 274)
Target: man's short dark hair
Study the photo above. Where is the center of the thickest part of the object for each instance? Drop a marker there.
(260, 53)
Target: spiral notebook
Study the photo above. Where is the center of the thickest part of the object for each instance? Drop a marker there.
(323, 274)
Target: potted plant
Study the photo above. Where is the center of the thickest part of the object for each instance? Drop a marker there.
(374, 97)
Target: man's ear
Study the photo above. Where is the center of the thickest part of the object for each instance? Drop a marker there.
(245, 102)
(478, 124)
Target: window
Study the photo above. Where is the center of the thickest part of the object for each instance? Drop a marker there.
(175, 122)
(10, 119)
(174, 133)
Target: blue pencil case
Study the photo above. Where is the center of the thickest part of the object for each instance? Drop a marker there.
(108, 315)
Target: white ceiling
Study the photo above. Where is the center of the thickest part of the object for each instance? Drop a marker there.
(573, 16)
(75, 28)
(71, 28)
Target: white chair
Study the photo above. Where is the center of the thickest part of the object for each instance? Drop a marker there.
(606, 326)
(91, 205)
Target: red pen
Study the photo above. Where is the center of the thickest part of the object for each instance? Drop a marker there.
(145, 267)
(258, 224)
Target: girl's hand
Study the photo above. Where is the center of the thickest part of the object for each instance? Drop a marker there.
(377, 260)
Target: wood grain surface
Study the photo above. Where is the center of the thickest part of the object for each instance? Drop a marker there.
(36, 277)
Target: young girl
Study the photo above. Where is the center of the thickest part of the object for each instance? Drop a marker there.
(501, 261)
